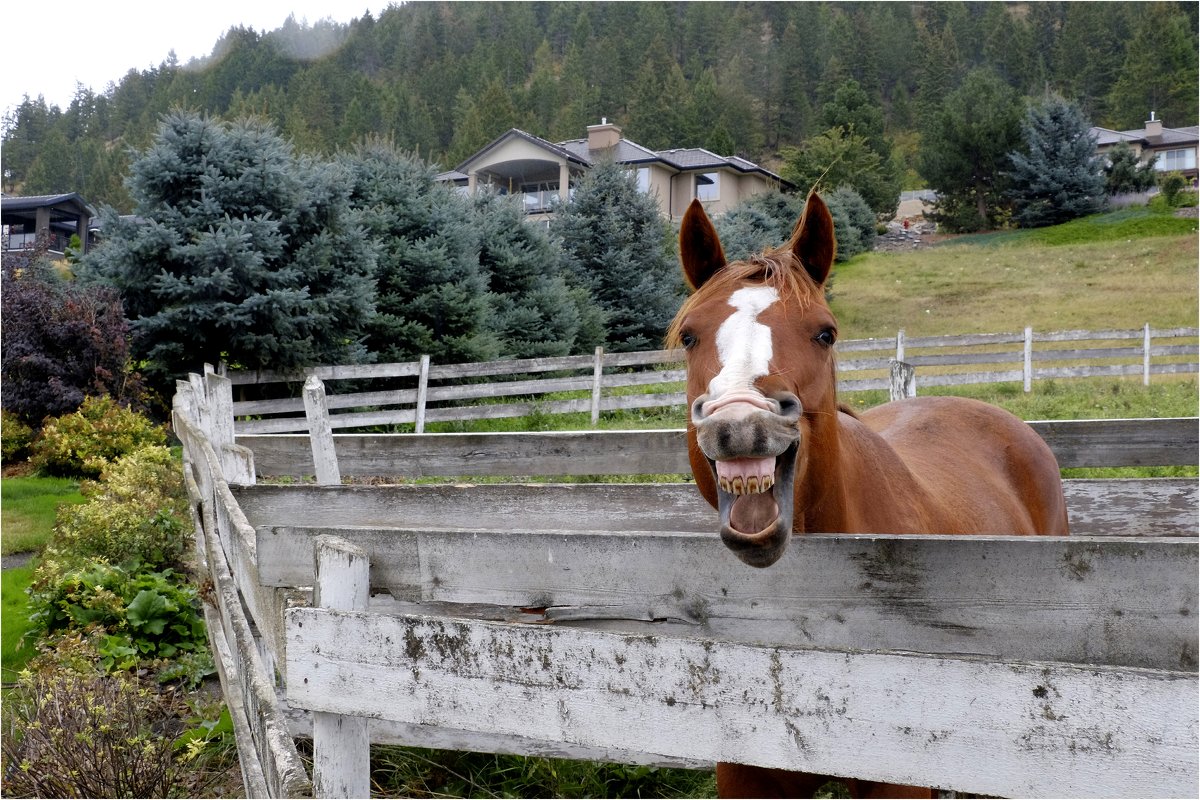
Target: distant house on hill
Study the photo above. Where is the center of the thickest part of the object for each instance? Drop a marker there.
(1175, 147)
(544, 172)
(60, 216)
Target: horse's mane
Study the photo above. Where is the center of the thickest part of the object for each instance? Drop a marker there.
(779, 268)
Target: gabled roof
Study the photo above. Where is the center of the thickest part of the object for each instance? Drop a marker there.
(625, 151)
(33, 202)
(1169, 136)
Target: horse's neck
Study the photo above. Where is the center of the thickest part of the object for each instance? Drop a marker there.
(852, 481)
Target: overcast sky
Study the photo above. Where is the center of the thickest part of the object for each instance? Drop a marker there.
(96, 43)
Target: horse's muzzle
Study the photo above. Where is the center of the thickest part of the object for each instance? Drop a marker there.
(751, 442)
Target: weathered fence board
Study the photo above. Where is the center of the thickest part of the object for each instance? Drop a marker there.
(1096, 507)
(1126, 602)
(1076, 443)
(444, 383)
(1008, 728)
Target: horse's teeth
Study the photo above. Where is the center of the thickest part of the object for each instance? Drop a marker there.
(766, 483)
(738, 485)
(724, 484)
(752, 485)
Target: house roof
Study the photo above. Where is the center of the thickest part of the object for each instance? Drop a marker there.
(1168, 137)
(12, 203)
(625, 151)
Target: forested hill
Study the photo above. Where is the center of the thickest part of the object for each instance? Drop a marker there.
(443, 79)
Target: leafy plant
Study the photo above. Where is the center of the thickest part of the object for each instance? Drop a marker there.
(15, 436)
(85, 442)
(136, 514)
(143, 616)
(1172, 184)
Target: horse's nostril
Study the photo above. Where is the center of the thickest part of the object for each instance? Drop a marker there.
(698, 408)
(789, 405)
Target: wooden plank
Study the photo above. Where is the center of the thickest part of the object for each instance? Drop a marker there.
(1133, 506)
(1122, 442)
(1126, 602)
(1076, 443)
(320, 435)
(341, 744)
(1006, 728)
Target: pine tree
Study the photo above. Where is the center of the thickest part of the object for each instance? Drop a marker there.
(1124, 173)
(1057, 175)
(1159, 73)
(241, 252)
(430, 289)
(964, 151)
(531, 310)
(618, 248)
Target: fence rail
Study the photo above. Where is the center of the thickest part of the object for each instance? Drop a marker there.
(417, 393)
(607, 622)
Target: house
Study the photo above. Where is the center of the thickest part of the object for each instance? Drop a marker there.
(545, 172)
(1175, 147)
(60, 216)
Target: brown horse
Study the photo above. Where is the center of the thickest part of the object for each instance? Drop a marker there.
(774, 452)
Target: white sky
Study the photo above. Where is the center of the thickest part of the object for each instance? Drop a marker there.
(97, 43)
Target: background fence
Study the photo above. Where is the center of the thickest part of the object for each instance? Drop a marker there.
(415, 393)
(607, 622)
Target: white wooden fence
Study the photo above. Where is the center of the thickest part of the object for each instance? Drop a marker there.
(414, 393)
(607, 622)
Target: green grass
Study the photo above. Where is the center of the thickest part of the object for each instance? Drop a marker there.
(29, 508)
(14, 652)
(1121, 225)
(995, 283)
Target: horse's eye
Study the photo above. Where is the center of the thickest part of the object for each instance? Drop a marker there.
(688, 340)
(826, 337)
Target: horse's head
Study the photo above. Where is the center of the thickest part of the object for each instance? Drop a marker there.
(759, 341)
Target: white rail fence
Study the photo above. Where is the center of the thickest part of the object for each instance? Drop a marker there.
(416, 393)
(607, 622)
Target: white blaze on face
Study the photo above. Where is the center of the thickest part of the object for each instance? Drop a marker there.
(743, 343)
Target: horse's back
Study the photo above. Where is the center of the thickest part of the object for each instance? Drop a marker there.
(991, 471)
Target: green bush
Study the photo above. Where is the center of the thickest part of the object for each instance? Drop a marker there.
(72, 731)
(15, 438)
(135, 515)
(1172, 184)
(83, 443)
(144, 616)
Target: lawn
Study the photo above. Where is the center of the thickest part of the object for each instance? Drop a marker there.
(29, 508)
(15, 621)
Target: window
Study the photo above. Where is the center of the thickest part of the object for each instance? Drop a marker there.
(643, 180)
(708, 186)
(1172, 160)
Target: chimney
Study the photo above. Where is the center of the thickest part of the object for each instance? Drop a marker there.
(1153, 126)
(602, 136)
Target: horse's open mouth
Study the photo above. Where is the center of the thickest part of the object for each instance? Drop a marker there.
(755, 505)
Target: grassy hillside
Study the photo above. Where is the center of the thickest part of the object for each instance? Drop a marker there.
(1002, 282)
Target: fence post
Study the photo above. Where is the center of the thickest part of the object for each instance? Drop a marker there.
(1027, 369)
(1146, 356)
(900, 345)
(422, 394)
(237, 463)
(320, 433)
(597, 378)
(904, 380)
(341, 744)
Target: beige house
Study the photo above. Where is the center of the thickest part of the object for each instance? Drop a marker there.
(1175, 147)
(544, 172)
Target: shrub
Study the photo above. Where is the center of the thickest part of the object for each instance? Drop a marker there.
(143, 616)
(83, 443)
(136, 515)
(853, 222)
(71, 731)
(15, 437)
(62, 342)
(1172, 184)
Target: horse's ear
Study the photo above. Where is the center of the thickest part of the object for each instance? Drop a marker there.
(700, 250)
(813, 241)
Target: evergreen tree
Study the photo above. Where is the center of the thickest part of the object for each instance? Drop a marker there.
(241, 252)
(1056, 176)
(1159, 73)
(1124, 173)
(619, 249)
(852, 110)
(532, 311)
(764, 220)
(964, 152)
(430, 288)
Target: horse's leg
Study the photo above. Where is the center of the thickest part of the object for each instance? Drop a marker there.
(741, 781)
(876, 789)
